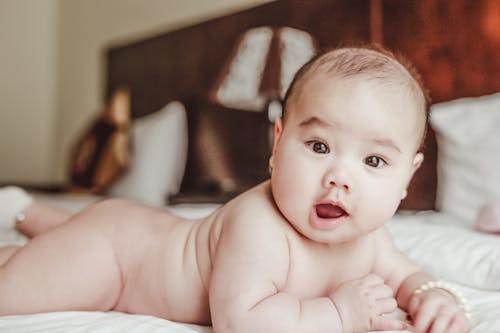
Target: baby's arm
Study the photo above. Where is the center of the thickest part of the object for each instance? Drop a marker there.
(249, 276)
(432, 307)
(250, 269)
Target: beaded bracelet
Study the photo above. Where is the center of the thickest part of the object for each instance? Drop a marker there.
(457, 295)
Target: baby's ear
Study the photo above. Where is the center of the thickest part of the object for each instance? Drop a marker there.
(278, 128)
(417, 162)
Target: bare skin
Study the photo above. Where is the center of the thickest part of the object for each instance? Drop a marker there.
(113, 255)
(304, 252)
(41, 217)
(127, 257)
(116, 255)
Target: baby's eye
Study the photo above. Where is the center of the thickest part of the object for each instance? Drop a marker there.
(375, 161)
(318, 147)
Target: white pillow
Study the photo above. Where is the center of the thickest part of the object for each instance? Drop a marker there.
(159, 153)
(468, 166)
(447, 250)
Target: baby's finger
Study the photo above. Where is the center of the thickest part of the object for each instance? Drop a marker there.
(381, 323)
(441, 322)
(372, 280)
(425, 315)
(387, 305)
(458, 326)
(413, 306)
(381, 291)
(454, 328)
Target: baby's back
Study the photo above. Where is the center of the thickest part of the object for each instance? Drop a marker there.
(166, 262)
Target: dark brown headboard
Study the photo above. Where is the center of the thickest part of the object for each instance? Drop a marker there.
(454, 44)
(184, 64)
(456, 47)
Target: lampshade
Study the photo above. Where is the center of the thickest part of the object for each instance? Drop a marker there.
(261, 67)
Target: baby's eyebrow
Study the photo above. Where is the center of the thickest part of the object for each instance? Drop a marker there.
(383, 142)
(387, 143)
(314, 120)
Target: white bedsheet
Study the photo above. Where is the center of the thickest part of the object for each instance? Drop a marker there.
(465, 258)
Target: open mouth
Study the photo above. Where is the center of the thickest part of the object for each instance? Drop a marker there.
(330, 211)
(327, 216)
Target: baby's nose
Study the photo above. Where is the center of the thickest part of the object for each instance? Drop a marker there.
(338, 177)
(340, 184)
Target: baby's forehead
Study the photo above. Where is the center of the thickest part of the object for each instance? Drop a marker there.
(388, 73)
(325, 84)
(399, 102)
(385, 72)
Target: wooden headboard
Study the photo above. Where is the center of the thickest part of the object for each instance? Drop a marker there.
(454, 44)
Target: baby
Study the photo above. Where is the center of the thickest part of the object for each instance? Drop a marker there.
(305, 251)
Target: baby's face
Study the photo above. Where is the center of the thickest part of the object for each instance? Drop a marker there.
(344, 157)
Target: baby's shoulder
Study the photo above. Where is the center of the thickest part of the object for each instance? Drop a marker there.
(254, 203)
(253, 213)
(251, 239)
(388, 260)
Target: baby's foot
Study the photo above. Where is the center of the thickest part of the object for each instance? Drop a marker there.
(488, 219)
(13, 201)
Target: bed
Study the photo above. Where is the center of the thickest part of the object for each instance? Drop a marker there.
(468, 260)
(189, 157)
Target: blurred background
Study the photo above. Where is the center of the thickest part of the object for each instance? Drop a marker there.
(52, 75)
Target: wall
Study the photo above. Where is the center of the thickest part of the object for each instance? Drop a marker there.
(89, 26)
(28, 80)
(52, 76)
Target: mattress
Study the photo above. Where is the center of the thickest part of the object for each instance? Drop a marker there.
(468, 260)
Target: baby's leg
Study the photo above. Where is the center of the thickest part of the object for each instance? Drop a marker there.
(72, 267)
(37, 217)
(41, 217)
(6, 252)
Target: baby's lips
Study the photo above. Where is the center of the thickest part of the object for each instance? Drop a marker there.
(329, 211)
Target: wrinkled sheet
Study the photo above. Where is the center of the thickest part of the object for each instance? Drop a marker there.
(448, 250)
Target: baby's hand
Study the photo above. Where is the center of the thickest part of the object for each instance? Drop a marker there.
(362, 302)
(436, 311)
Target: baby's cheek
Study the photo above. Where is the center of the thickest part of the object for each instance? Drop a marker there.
(293, 197)
(381, 209)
